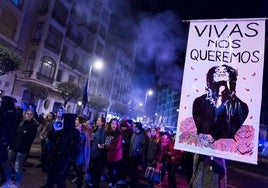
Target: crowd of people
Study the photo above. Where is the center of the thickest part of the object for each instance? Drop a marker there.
(119, 150)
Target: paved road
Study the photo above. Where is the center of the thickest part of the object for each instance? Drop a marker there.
(34, 177)
(239, 175)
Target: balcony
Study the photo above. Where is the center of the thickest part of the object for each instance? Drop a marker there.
(27, 73)
(66, 60)
(44, 78)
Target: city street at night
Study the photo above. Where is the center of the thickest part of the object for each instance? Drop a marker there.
(103, 91)
(239, 175)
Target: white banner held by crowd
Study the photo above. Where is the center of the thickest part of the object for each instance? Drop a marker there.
(222, 89)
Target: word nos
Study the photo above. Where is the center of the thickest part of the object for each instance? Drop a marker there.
(228, 56)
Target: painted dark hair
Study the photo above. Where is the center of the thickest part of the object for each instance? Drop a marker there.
(232, 76)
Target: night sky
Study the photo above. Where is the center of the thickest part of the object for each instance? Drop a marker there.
(160, 33)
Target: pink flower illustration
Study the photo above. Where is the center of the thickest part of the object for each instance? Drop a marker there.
(245, 148)
(225, 145)
(188, 125)
(241, 144)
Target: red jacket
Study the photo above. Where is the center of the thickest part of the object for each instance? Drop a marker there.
(174, 156)
(114, 149)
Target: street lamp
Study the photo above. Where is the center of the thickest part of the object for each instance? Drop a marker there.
(98, 65)
(148, 93)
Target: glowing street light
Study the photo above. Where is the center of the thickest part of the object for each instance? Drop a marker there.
(98, 65)
(148, 93)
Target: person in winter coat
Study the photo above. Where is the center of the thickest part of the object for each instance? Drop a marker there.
(8, 125)
(113, 146)
(136, 152)
(174, 159)
(124, 162)
(165, 139)
(97, 154)
(153, 151)
(82, 161)
(47, 127)
(65, 144)
(209, 172)
(20, 146)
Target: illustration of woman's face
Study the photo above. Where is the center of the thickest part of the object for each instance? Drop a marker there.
(221, 74)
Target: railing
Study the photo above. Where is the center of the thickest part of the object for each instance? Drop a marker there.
(27, 73)
(44, 78)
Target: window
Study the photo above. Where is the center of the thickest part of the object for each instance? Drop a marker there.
(31, 60)
(71, 78)
(60, 13)
(53, 40)
(63, 53)
(47, 69)
(30, 64)
(59, 76)
(8, 23)
(99, 49)
(38, 33)
(46, 104)
(79, 39)
(90, 43)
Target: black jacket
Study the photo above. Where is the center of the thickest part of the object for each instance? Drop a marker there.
(24, 136)
(65, 146)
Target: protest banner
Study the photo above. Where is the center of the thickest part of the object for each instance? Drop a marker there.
(222, 89)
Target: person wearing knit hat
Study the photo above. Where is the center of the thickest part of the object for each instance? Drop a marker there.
(138, 125)
(137, 149)
(65, 145)
(69, 121)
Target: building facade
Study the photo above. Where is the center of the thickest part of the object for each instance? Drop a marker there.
(57, 40)
(167, 108)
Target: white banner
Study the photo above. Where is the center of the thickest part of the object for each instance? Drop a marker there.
(222, 89)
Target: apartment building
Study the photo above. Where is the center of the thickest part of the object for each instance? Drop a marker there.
(167, 108)
(57, 40)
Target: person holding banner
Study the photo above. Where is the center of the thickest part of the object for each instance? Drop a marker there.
(208, 172)
(220, 113)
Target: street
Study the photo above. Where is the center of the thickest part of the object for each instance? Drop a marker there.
(236, 178)
(239, 175)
